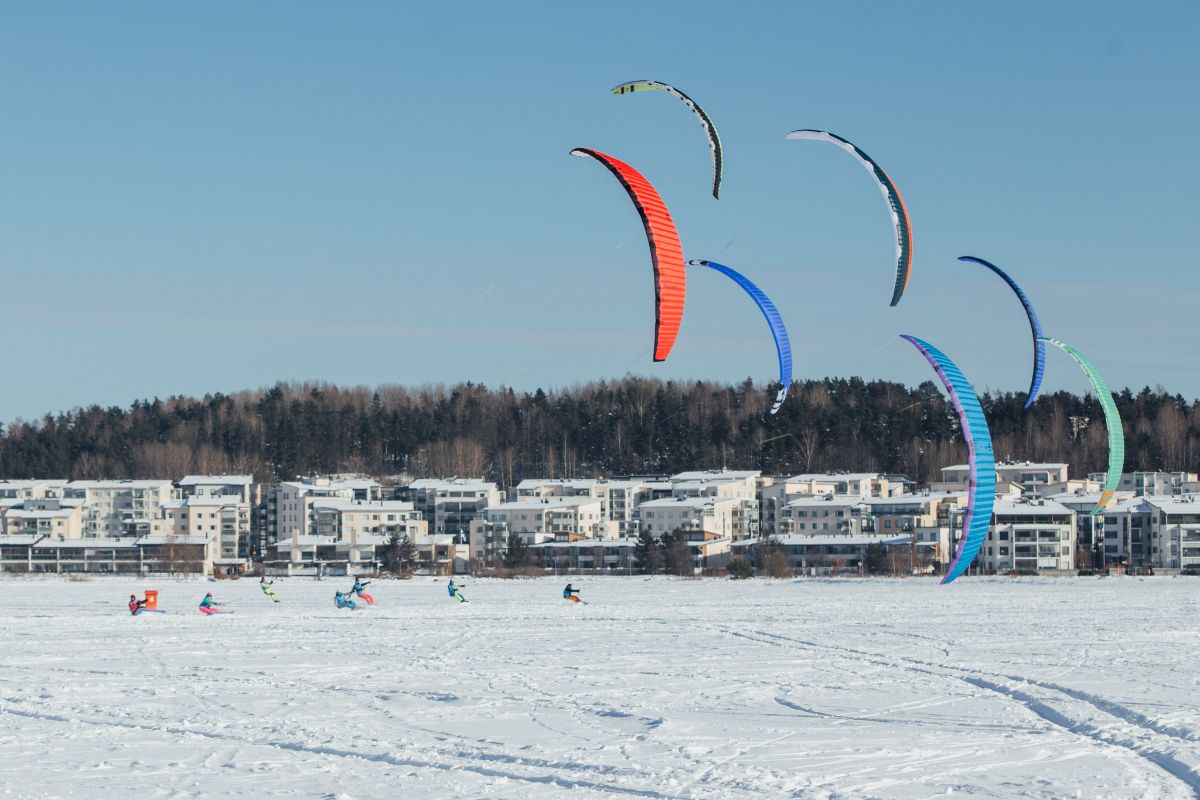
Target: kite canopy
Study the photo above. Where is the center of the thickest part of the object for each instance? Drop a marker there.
(1039, 347)
(666, 253)
(895, 204)
(710, 130)
(783, 346)
(1112, 421)
(982, 464)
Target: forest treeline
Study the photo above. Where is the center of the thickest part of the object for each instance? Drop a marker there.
(627, 426)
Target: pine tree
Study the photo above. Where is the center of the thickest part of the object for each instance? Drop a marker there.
(398, 553)
(647, 556)
(516, 552)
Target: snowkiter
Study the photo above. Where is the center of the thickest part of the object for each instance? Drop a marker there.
(455, 592)
(359, 585)
(265, 585)
(209, 606)
(135, 605)
(570, 594)
(342, 600)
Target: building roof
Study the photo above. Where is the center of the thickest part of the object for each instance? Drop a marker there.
(710, 475)
(543, 503)
(157, 540)
(1175, 504)
(686, 502)
(342, 504)
(452, 483)
(123, 484)
(825, 501)
(835, 477)
(28, 513)
(31, 483)
(216, 480)
(856, 540)
(1017, 508)
(53, 542)
(21, 540)
(574, 483)
(623, 542)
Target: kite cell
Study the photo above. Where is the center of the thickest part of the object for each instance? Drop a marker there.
(1039, 347)
(981, 461)
(666, 253)
(895, 204)
(783, 347)
(710, 130)
(1112, 421)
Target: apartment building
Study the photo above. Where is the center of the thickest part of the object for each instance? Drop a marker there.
(1031, 476)
(741, 486)
(619, 499)
(113, 509)
(819, 554)
(223, 517)
(586, 555)
(31, 489)
(43, 516)
(294, 501)
(1141, 484)
(1029, 535)
(703, 513)
(826, 514)
(537, 521)
(1175, 531)
(450, 505)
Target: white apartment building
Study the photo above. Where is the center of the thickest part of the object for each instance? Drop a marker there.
(222, 517)
(775, 496)
(713, 515)
(1175, 531)
(294, 501)
(537, 521)
(1033, 477)
(26, 490)
(740, 486)
(120, 508)
(1151, 483)
(449, 505)
(1089, 528)
(223, 485)
(344, 520)
(824, 514)
(44, 516)
(1029, 536)
(618, 499)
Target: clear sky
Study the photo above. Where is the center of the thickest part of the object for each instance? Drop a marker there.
(201, 197)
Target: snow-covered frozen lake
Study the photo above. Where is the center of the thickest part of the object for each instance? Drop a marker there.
(658, 688)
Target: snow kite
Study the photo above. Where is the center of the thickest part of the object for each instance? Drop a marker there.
(710, 130)
(783, 346)
(666, 253)
(1039, 347)
(1112, 421)
(895, 204)
(981, 461)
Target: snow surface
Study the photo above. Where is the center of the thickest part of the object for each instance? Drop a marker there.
(658, 688)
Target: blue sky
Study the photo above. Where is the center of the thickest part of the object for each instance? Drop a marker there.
(210, 197)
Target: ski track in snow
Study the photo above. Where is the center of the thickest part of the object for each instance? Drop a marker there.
(659, 688)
